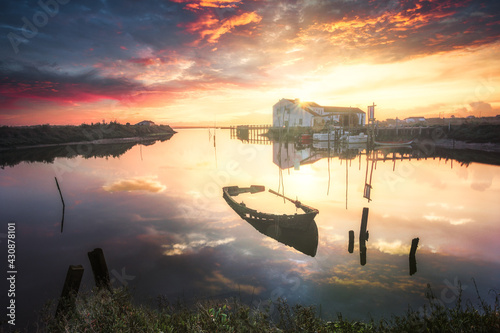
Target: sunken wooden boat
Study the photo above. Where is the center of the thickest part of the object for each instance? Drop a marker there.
(291, 221)
(393, 143)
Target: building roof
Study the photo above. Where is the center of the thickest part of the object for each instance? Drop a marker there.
(145, 121)
(327, 109)
(341, 109)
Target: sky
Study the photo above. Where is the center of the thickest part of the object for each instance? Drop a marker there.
(205, 62)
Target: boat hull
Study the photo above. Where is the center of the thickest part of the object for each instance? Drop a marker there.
(360, 138)
(323, 137)
(295, 221)
(393, 143)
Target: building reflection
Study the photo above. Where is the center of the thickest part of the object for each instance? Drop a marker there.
(287, 154)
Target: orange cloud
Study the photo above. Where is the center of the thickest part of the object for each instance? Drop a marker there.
(195, 5)
(386, 28)
(211, 28)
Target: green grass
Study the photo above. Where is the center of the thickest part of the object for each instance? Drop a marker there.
(102, 311)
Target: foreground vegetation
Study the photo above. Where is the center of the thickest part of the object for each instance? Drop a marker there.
(46, 134)
(114, 312)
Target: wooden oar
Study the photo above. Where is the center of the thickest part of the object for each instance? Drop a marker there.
(296, 202)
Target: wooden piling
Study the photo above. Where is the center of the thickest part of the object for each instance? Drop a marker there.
(71, 286)
(63, 204)
(412, 258)
(99, 269)
(363, 233)
(363, 236)
(351, 241)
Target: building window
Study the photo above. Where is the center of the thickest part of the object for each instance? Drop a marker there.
(300, 121)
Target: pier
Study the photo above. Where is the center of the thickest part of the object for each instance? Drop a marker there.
(251, 133)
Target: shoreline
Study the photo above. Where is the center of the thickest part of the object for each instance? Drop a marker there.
(91, 142)
(443, 143)
(455, 144)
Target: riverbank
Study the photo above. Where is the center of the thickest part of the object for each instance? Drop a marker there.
(462, 145)
(485, 138)
(103, 311)
(47, 135)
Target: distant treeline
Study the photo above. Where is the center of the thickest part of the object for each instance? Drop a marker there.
(11, 137)
(470, 133)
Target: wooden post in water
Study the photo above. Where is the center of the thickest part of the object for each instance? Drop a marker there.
(413, 260)
(99, 268)
(351, 241)
(363, 233)
(363, 236)
(70, 290)
(63, 204)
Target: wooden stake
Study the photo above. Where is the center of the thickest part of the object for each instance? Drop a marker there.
(351, 241)
(363, 236)
(413, 260)
(70, 290)
(99, 269)
(64, 205)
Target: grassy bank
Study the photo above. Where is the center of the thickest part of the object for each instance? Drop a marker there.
(11, 137)
(475, 133)
(106, 312)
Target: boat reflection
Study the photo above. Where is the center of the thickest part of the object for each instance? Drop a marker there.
(305, 241)
(297, 230)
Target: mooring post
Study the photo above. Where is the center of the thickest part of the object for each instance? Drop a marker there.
(70, 290)
(363, 236)
(363, 233)
(99, 269)
(351, 241)
(413, 260)
(63, 204)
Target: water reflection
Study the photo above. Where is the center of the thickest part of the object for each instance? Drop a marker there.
(296, 230)
(295, 154)
(305, 241)
(166, 230)
(10, 158)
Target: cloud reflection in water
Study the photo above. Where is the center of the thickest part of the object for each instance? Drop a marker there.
(147, 184)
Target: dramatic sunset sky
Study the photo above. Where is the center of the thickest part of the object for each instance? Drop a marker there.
(188, 62)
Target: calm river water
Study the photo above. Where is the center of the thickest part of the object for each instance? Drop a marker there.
(157, 212)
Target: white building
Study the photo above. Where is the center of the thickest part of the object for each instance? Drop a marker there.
(294, 113)
(145, 123)
(413, 120)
